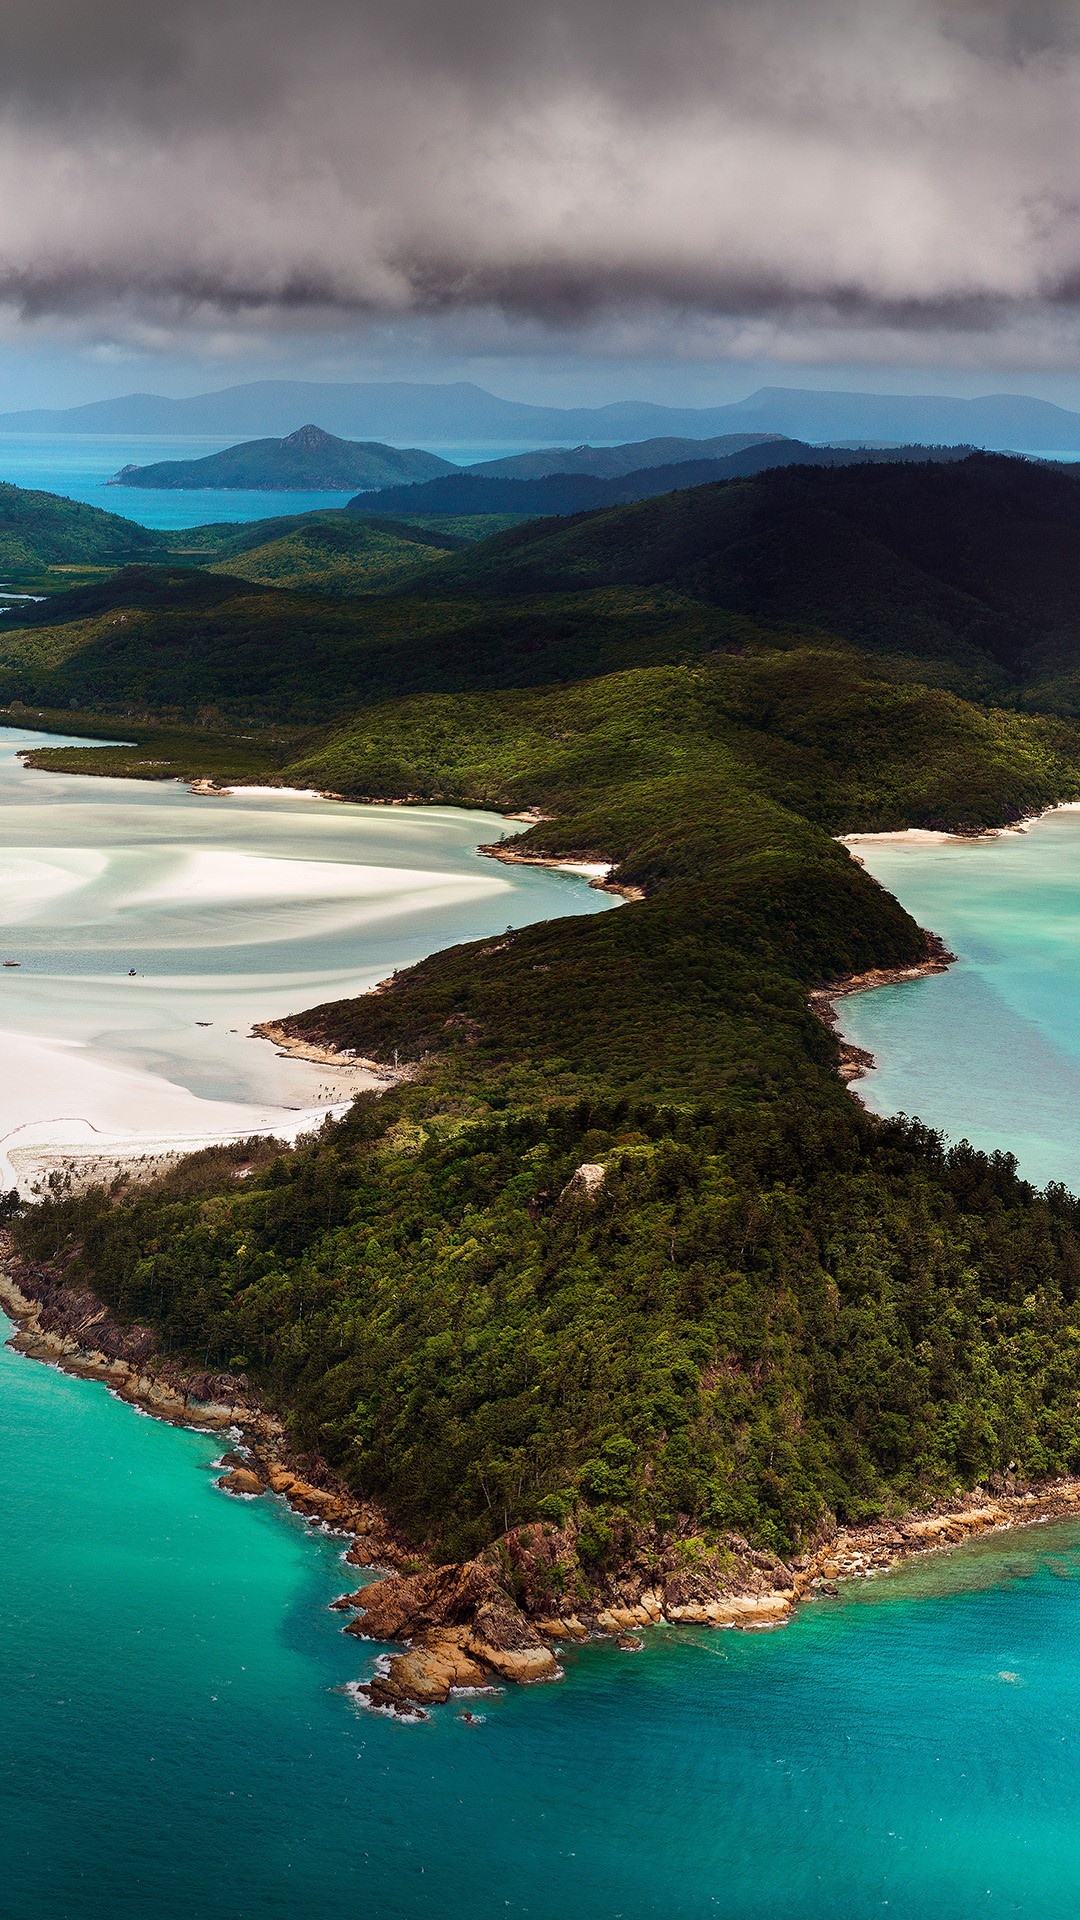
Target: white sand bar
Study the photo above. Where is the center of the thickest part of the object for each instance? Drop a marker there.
(152, 928)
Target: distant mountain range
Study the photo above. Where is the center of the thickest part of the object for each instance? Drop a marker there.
(464, 414)
(308, 460)
(473, 492)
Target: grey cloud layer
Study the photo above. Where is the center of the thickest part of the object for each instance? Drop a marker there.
(882, 162)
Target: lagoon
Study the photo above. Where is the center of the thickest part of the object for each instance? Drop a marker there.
(230, 909)
(990, 1050)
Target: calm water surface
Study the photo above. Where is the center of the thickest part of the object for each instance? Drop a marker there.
(173, 1741)
(990, 1050)
(79, 466)
(230, 910)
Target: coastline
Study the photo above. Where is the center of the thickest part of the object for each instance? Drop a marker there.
(941, 836)
(595, 871)
(72, 1330)
(487, 1621)
(490, 1620)
(856, 1061)
(326, 1056)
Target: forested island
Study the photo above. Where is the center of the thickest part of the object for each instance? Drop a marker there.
(620, 1288)
(309, 460)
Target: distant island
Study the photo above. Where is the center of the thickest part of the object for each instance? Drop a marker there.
(307, 461)
(555, 480)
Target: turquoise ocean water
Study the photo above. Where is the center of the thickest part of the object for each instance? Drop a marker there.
(79, 466)
(173, 1742)
(990, 1050)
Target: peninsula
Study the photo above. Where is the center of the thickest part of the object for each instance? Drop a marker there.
(621, 1270)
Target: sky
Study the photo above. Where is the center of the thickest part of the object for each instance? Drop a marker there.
(572, 200)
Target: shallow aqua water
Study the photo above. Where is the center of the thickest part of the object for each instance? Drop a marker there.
(172, 1741)
(990, 1050)
(231, 910)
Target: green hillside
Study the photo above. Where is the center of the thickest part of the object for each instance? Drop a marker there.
(334, 553)
(41, 531)
(968, 572)
(776, 1309)
(815, 731)
(173, 640)
(976, 562)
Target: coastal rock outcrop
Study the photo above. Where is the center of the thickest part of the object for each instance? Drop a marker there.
(333, 1508)
(500, 1617)
(241, 1480)
(459, 1619)
(425, 1676)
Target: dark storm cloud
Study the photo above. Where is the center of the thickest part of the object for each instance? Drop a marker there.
(881, 163)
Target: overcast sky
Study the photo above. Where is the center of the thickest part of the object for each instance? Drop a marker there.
(585, 196)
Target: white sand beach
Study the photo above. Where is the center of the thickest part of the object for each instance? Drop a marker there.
(62, 1108)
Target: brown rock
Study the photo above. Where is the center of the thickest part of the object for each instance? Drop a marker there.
(403, 1605)
(467, 1597)
(523, 1666)
(425, 1674)
(241, 1480)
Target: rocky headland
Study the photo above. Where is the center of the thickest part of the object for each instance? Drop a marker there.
(505, 1616)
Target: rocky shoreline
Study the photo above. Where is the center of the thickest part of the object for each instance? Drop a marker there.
(506, 1616)
(856, 1061)
(327, 1056)
(562, 862)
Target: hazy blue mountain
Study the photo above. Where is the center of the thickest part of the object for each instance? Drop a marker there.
(407, 412)
(308, 460)
(1000, 422)
(389, 410)
(470, 493)
(610, 463)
